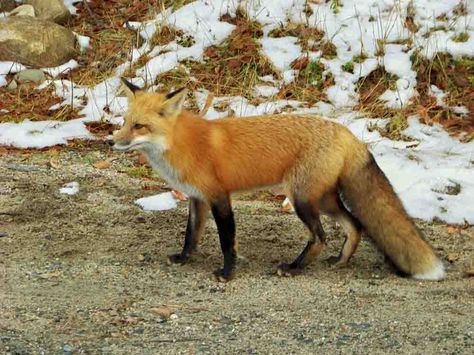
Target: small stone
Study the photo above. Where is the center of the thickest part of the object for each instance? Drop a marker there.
(50, 10)
(67, 349)
(12, 85)
(37, 43)
(144, 258)
(30, 75)
(174, 316)
(139, 330)
(3, 234)
(23, 10)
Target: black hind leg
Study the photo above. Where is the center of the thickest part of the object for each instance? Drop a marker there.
(309, 214)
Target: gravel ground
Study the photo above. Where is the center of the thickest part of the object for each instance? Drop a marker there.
(88, 274)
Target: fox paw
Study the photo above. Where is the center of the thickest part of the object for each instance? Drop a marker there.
(178, 259)
(336, 262)
(286, 270)
(223, 275)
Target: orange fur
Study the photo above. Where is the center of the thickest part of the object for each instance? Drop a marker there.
(317, 160)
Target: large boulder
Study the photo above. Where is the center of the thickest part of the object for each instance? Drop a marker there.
(7, 5)
(36, 43)
(50, 10)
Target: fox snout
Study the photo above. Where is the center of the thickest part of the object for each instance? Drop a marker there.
(118, 141)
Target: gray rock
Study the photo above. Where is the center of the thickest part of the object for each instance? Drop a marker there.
(23, 10)
(7, 5)
(50, 10)
(67, 349)
(30, 75)
(34, 42)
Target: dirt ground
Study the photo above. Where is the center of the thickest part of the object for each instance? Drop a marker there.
(85, 274)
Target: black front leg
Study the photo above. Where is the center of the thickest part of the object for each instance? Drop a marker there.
(196, 221)
(222, 212)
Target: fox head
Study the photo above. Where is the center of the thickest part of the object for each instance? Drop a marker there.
(149, 120)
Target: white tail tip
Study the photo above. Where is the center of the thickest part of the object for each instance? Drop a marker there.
(435, 274)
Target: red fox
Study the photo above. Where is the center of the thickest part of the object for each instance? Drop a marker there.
(323, 166)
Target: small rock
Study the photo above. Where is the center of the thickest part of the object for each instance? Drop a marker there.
(139, 330)
(50, 10)
(23, 10)
(67, 349)
(37, 43)
(30, 75)
(144, 258)
(279, 341)
(12, 85)
(3, 234)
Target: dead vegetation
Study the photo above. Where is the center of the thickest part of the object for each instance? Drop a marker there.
(28, 103)
(235, 67)
(454, 76)
(231, 68)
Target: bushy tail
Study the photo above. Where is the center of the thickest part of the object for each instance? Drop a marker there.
(372, 200)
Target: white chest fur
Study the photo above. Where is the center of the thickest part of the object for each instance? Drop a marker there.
(169, 173)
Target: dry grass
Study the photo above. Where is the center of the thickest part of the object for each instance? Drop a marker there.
(110, 41)
(370, 88)
(310, 83)
(232, 68)
(28, 103)
(455, 76)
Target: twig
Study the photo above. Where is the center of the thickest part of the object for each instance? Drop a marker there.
(91, 14)
(207, 105)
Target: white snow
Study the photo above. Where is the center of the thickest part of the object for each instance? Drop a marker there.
(281, 51)
(71, 188)
(84, 42)
(160, 202)
(265, 90)
(62, 69)
(425, 176)
(10, 67)
(433, 174)
(40, 134)
(70, 5)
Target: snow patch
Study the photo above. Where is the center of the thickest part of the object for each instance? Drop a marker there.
(40, 134)
(160, 202)
(71, 188)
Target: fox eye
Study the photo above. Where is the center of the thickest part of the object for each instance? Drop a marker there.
(138, 126)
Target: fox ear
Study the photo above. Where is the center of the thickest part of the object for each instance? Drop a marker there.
(174, 102)
(129, 89)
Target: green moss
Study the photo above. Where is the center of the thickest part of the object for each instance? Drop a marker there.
(348, 67)
(139, 171)
(313, 71)
(462, 37)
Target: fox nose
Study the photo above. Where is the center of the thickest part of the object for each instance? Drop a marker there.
(110, 142)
